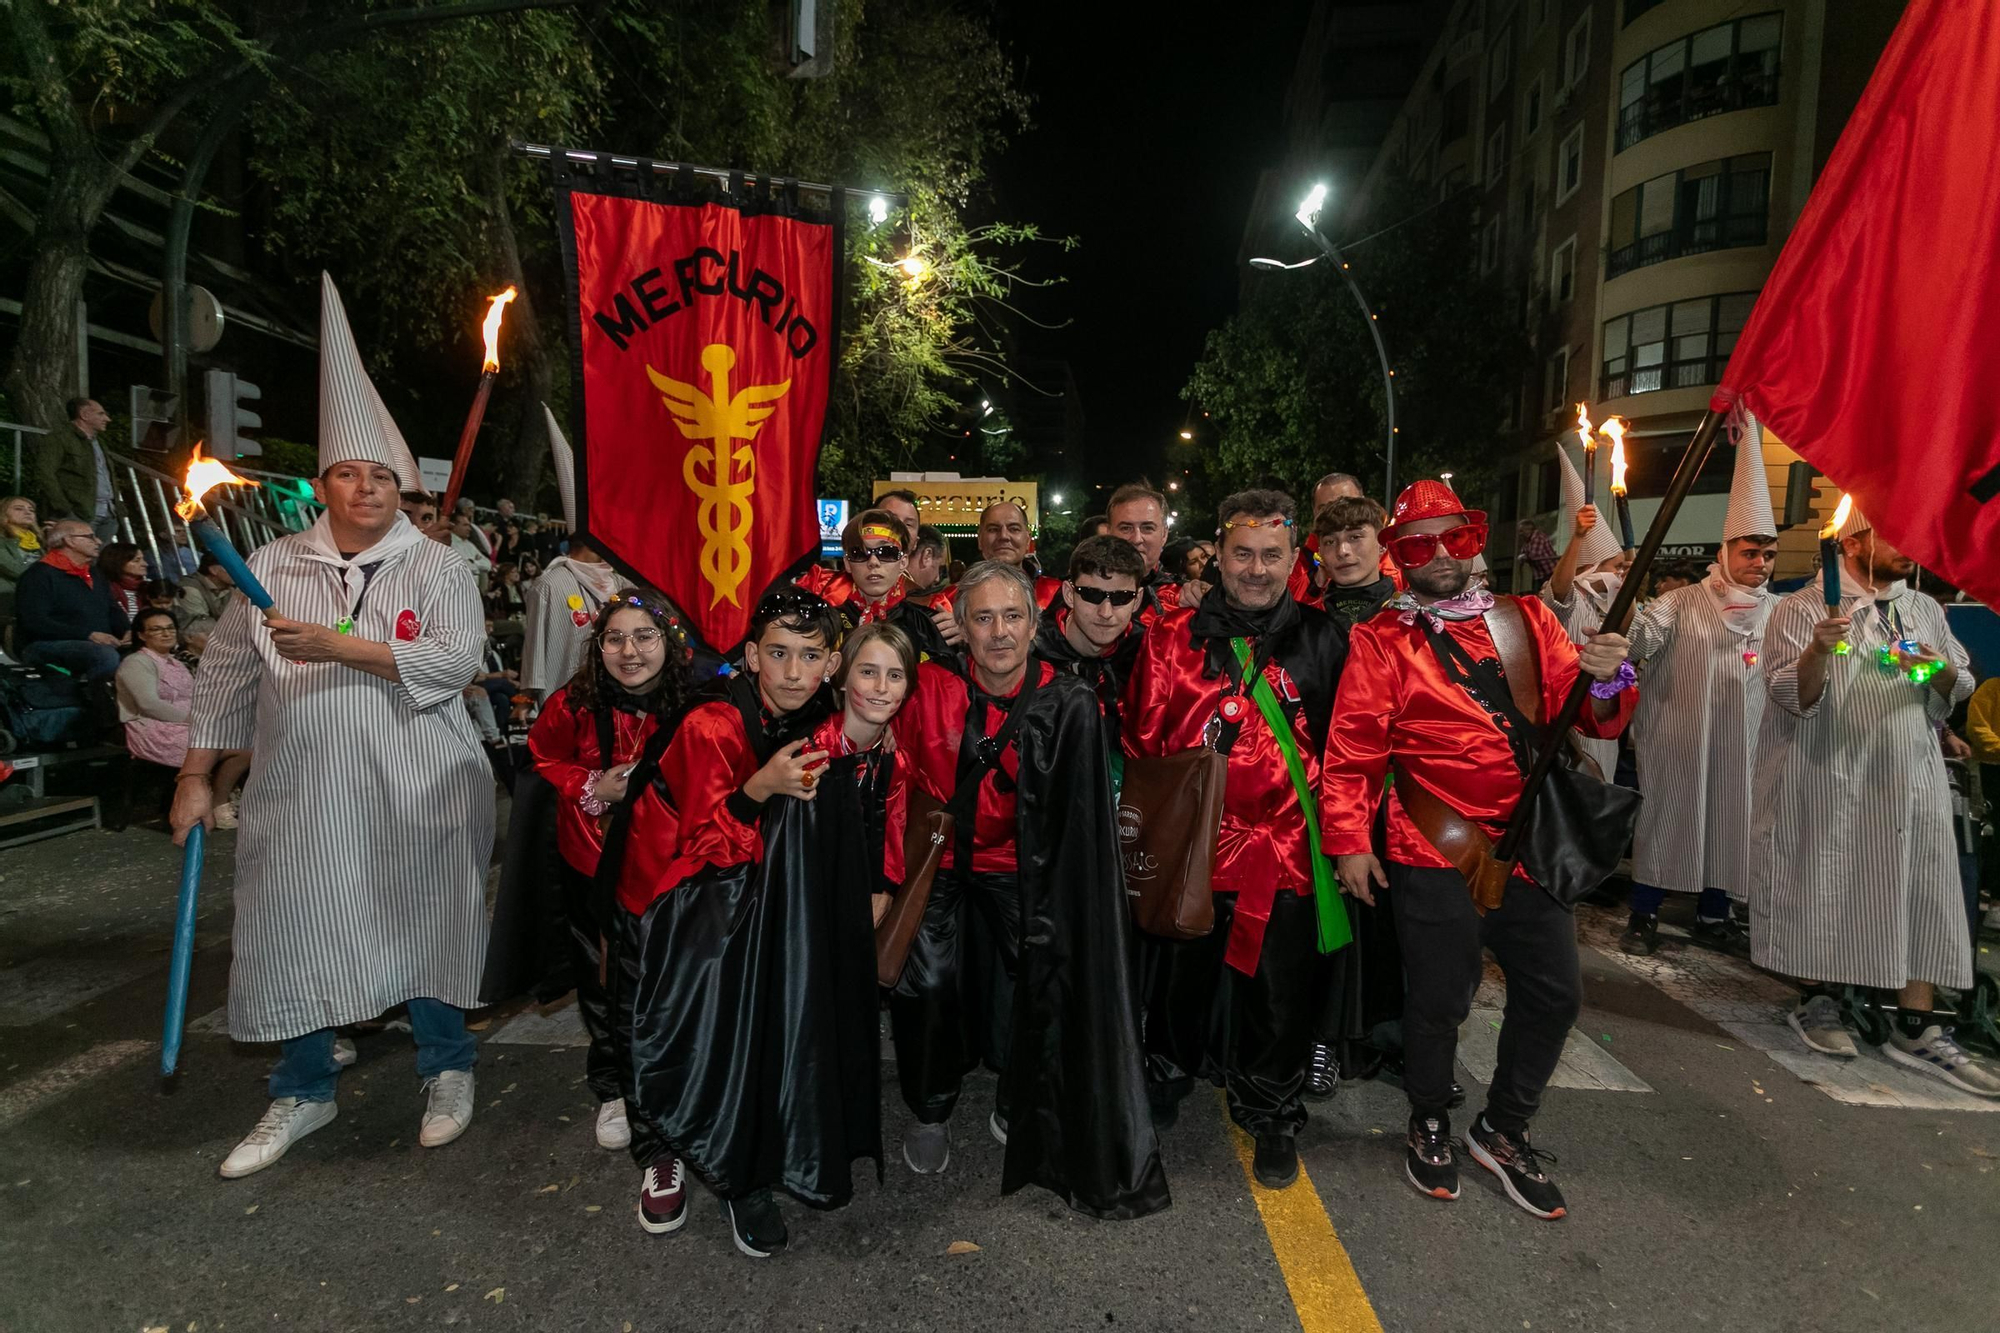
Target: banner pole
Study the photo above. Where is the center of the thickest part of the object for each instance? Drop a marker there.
(1615, 621)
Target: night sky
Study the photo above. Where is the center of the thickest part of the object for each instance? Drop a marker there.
(1150, 128)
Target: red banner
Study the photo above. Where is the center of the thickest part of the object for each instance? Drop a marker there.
(705, 347)
(1870, 350)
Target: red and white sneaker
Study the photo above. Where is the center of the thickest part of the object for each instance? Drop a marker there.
(663, 1204)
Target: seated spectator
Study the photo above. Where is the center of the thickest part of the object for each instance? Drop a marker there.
(203, 596)
(123, 571)
(155, 685)
(64, 615)
(531, 569)
(469, 547)
(160, 595)
(20, 546)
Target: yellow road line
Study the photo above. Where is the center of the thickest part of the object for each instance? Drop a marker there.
(1325, 1289)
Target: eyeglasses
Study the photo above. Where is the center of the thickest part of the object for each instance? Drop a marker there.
(1099, 596)
(887, 555)
(159, 627)
(638, 638)
(1417, 549)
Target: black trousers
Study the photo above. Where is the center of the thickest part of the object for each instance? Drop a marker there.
(648, 1148)
(1250, 1034)
(952, 1009)
(587, 927)
(1442, 937)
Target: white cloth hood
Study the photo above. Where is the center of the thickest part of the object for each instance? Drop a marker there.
(354, 424)
(1599, 544)
(1750, 513)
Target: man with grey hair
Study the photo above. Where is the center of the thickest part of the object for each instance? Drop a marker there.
(1014, 750)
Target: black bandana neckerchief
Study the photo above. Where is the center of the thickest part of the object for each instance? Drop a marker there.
(1217, 622)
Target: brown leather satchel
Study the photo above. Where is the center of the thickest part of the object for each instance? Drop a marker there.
(1458, 839)
(926, 835)
(1169, 812)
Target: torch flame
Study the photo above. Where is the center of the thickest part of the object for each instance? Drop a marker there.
(1614, 430)
(204, 475)
(1840, 514)
(1584, 430)
(495, 312)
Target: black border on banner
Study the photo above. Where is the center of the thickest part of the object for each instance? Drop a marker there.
(654, 182)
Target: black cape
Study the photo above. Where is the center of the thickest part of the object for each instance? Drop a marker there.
(756, 1052)
(1080, 1126)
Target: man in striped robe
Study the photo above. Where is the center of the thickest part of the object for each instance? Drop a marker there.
(367, 817)
(1854, 872)
(1697, 722)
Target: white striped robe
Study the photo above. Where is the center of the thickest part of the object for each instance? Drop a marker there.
(1700, 707)
(1581, 618)
(553, 644)
(1854, 873)
(367, 818)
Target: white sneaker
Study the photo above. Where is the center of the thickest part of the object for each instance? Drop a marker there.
(225, 815)
(288, 1121)
(614, 1131)
(1937, 1054)
(344, 1053)
(1818, 1024)
(449, 1110)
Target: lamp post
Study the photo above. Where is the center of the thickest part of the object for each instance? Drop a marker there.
(1308, 218)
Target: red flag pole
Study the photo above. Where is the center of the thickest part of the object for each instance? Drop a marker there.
(1614, 620)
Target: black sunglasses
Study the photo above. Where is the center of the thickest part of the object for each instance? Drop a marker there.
(1098, 596)
(887, 555)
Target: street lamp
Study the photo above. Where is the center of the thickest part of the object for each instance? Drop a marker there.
(1187, 435)
(1308, 218)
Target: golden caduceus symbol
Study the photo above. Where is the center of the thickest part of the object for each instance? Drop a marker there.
(726, 513)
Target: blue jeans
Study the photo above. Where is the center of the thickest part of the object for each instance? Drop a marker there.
(306, 1068)
(1646, 900)
(80, 657)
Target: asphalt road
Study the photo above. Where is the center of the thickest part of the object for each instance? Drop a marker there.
(1732, 1194)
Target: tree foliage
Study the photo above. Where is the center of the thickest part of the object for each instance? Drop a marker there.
(1292, 383)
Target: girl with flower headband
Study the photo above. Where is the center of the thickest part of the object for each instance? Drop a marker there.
(585, 744)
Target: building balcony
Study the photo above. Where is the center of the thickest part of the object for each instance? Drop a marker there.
(1697, 238)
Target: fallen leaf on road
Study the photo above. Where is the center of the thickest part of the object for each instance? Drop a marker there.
(548, 1189)
(497, 1295)
(251, 1209)
(452, 1287)
(411, 1300)
(563, 1118)
(1981, 1152)
(593, 1208)
(1726, 1048)
(509, 1088)
(961, 1247)
(480, 1026)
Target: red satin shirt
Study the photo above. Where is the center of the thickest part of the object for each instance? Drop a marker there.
(928, 731)
(838, 589)
(563, 742)
(706, 763)
(1395, 697)
(1262, 849)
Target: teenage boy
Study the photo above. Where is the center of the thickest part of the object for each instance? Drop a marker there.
(1092, 633)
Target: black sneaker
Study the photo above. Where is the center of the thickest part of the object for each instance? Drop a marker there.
(1519, 1166)
(1457, 1098)
(756, 1225)
(1276, 1161)
(1641, 937)
(1727, 935)
(1430, 1163)
(1322, 1073)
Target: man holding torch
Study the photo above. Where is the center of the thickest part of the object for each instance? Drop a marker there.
(1854, 871)
(368, 814)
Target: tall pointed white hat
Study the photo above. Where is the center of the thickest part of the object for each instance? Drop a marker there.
(354, 424)
(1857, 522)
(565, 465)
(1599, 544)
(1750, 513)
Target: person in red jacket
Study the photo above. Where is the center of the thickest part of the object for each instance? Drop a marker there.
(585, 744)
(702, 793)
(1411, 701)
(1238, 1005)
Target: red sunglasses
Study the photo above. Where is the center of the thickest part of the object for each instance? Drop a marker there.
(1417, 549)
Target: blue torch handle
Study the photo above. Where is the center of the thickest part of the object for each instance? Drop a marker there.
(218, 545)
(183, 957)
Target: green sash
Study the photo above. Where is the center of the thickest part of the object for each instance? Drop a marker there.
(1334, 928)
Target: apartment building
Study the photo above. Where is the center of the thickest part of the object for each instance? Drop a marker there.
(1638, 165)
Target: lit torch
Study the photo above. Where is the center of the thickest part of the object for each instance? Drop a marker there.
(1614, 429)
(1588, 434)
(204, 475)
(1829, 553)
(496, 311)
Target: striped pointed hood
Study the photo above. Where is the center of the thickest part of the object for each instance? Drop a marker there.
(1599, 544)
(354, 424)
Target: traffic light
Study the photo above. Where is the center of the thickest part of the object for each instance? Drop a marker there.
(152, 414)
(228, 418)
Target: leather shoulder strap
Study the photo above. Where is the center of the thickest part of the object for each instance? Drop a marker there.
(1509, 627)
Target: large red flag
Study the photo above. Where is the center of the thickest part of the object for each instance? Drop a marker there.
(704, 350)
(1871, 350)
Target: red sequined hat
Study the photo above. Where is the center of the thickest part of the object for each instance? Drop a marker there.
(1428, 499)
